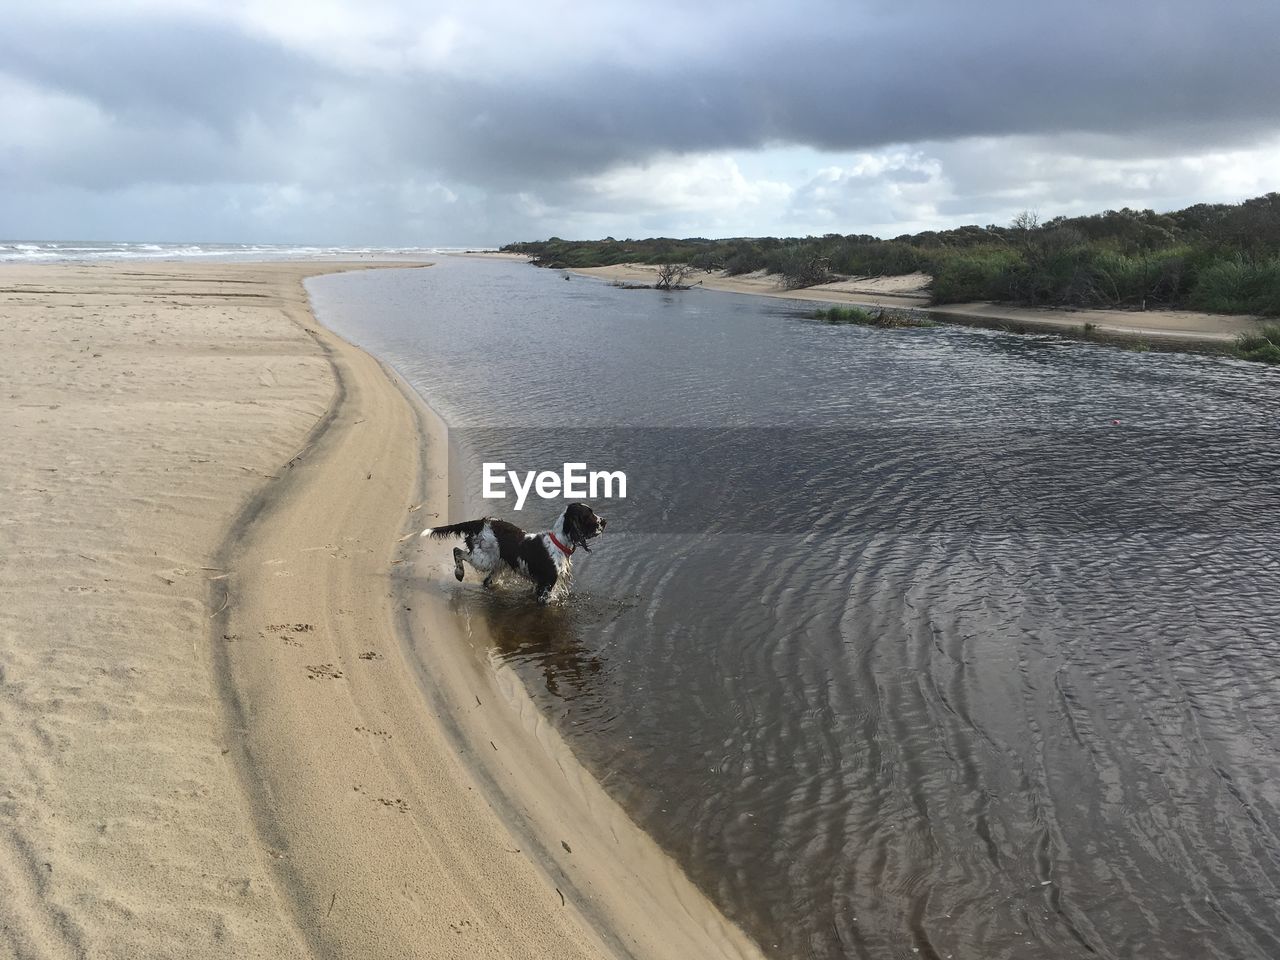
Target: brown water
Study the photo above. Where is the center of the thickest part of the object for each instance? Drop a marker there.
(901, 644)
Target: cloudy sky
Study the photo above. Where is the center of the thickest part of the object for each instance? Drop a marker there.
(404, 123)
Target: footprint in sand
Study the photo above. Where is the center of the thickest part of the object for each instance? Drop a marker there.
(323, 671)
(288, 632)
(400, 806)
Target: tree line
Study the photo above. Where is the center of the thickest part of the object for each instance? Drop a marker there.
(1223, 258)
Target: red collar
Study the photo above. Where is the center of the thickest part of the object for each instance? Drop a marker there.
(567, 551)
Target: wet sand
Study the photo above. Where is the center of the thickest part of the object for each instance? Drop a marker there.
(218, 742)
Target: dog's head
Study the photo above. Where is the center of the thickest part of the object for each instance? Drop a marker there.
(581, 524)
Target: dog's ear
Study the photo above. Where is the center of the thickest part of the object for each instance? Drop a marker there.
(573, 526)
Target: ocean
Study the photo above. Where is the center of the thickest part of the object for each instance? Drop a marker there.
(40, 251)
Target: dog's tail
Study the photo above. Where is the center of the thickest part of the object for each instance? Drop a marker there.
(468, 528)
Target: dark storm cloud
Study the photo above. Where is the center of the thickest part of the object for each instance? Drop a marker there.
(829, 76)
(856, 78)
(157, 71)
(520, 112)
(165, 101)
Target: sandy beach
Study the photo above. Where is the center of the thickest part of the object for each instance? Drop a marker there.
(218, 742)
(1169, 328)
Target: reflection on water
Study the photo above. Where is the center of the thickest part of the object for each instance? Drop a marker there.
(930, 643)
(547, 638)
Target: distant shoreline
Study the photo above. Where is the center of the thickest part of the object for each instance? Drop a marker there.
(1158, 329)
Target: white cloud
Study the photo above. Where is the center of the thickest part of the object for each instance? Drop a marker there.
(1069, 175)
(899, 188)
(712, 185)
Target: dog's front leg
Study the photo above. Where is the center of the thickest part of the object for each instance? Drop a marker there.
(543, 588)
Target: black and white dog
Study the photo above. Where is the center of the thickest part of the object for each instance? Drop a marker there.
(545, 558)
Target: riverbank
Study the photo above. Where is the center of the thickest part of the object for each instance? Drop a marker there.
(221, 744)
(1169, 329)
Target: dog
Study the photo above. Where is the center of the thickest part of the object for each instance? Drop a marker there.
(545, 558)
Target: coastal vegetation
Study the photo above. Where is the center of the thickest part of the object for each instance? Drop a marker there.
(1262, 346)
(1221, 258)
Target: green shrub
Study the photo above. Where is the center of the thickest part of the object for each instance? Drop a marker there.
(1268, 354)
(880, 259)
(1143, 279)
(1220, 287)
(845, 315)
(1238, 286)
(707, 260)
(744, 261)
(1047, 272)
(1262, 345)
(971, 275)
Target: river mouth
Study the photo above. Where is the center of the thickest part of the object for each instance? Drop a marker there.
(920, 643)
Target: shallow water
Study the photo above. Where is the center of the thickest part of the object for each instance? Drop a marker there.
(919, 643)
